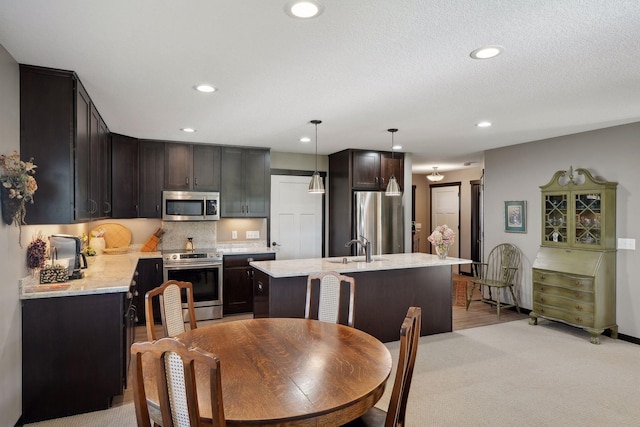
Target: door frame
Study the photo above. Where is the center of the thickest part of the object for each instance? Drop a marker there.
(477, 195)
(446, 184)
(294, 172)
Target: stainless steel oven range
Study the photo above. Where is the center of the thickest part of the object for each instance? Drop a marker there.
(203, 268)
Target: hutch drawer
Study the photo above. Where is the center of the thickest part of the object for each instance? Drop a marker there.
(573, 317)
(551, 290)
(568, 281)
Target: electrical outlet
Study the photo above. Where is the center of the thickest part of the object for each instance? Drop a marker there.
(629, 244)
(253, 234)
(234, 234)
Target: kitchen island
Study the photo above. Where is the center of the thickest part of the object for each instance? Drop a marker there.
(385, 289)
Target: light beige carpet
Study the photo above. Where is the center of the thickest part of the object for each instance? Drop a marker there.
(510, 374)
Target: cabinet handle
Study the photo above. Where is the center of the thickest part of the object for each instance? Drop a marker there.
(382, 181)
(107, 206)
(260, 287)
(248, 275)
(377, 180)
(137, 207)
(187, 180)
(579, 307)
(157, 266)
(195, 181)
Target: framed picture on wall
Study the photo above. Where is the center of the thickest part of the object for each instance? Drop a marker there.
(515, 216)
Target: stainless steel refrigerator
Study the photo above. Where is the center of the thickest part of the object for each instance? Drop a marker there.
(380, 219)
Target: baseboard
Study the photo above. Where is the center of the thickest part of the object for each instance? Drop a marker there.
(629, 338)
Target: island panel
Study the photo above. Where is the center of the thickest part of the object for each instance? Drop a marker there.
(382, 299)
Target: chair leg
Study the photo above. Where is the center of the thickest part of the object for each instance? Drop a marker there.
(515, 299)
(498, 301)
(470, 295)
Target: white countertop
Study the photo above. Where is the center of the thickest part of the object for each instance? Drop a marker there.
(105, 274)
(304, 267)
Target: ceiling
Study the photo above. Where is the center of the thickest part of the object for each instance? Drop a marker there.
(361, 67)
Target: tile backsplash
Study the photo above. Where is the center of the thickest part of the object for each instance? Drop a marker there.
(176, 234)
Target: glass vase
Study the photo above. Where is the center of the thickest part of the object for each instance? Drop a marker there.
(442, 251)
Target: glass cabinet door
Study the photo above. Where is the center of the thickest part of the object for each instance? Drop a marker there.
(555, 212)
(588, 218)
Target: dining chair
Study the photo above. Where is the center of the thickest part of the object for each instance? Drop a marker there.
(173, 365)
(498, 272)
(395, 414)
(328, 297)
(169, 294)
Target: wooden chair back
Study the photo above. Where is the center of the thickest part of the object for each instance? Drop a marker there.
(409, 340)
(173, 365)
(169, 294)
(329, 297)
(501, 266)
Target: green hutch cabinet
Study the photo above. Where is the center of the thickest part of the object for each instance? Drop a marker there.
(574, 273)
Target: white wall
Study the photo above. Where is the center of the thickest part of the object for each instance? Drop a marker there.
(10, 312)
(517, 172)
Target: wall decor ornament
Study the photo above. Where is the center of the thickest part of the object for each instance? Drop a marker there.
(18, 187)
(515, 216)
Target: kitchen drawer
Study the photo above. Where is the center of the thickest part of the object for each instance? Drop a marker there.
(551, 290)
(243, 260)
(574, 317)
(564, 280)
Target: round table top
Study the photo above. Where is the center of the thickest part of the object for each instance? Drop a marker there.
(297, 371)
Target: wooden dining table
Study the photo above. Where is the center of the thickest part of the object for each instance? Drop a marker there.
(288, 372)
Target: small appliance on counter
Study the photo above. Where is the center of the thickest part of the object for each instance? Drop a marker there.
(65, 246)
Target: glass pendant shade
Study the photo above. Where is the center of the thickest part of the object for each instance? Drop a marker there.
(393, 189)
(316, 186)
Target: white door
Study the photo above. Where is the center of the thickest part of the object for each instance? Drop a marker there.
(296, 218)
(445, 209)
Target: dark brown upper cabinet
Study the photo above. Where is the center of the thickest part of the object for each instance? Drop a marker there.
(246, 182)
(371, 170)
(124, 172)
(151, 178)
(68, 140)
(192, 167)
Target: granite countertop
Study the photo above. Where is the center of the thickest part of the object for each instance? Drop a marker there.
(104, 274)
(304, 267)
(227, 249)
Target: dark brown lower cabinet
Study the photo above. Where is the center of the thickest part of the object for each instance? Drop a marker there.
(149, 276)
(237, 288)
(74, 353)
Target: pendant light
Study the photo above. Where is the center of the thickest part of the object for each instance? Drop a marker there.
(392, 188)
(316, 186)
(435, 176)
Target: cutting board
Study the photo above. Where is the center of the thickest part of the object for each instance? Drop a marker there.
(115, 235)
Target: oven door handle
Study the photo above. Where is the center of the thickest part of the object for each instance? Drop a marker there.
(192, 266)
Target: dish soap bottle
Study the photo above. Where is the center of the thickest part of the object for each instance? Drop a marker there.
(189, 245)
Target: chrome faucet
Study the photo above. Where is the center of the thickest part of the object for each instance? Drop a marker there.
(366, 245)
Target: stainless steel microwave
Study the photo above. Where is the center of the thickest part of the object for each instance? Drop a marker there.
(190, 206)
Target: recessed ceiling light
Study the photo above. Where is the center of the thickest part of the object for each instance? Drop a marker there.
(397, 147)
(484, 124)
(304, 8)
(486, 52)
(188, 130)
(205, 88)
(305, 139)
